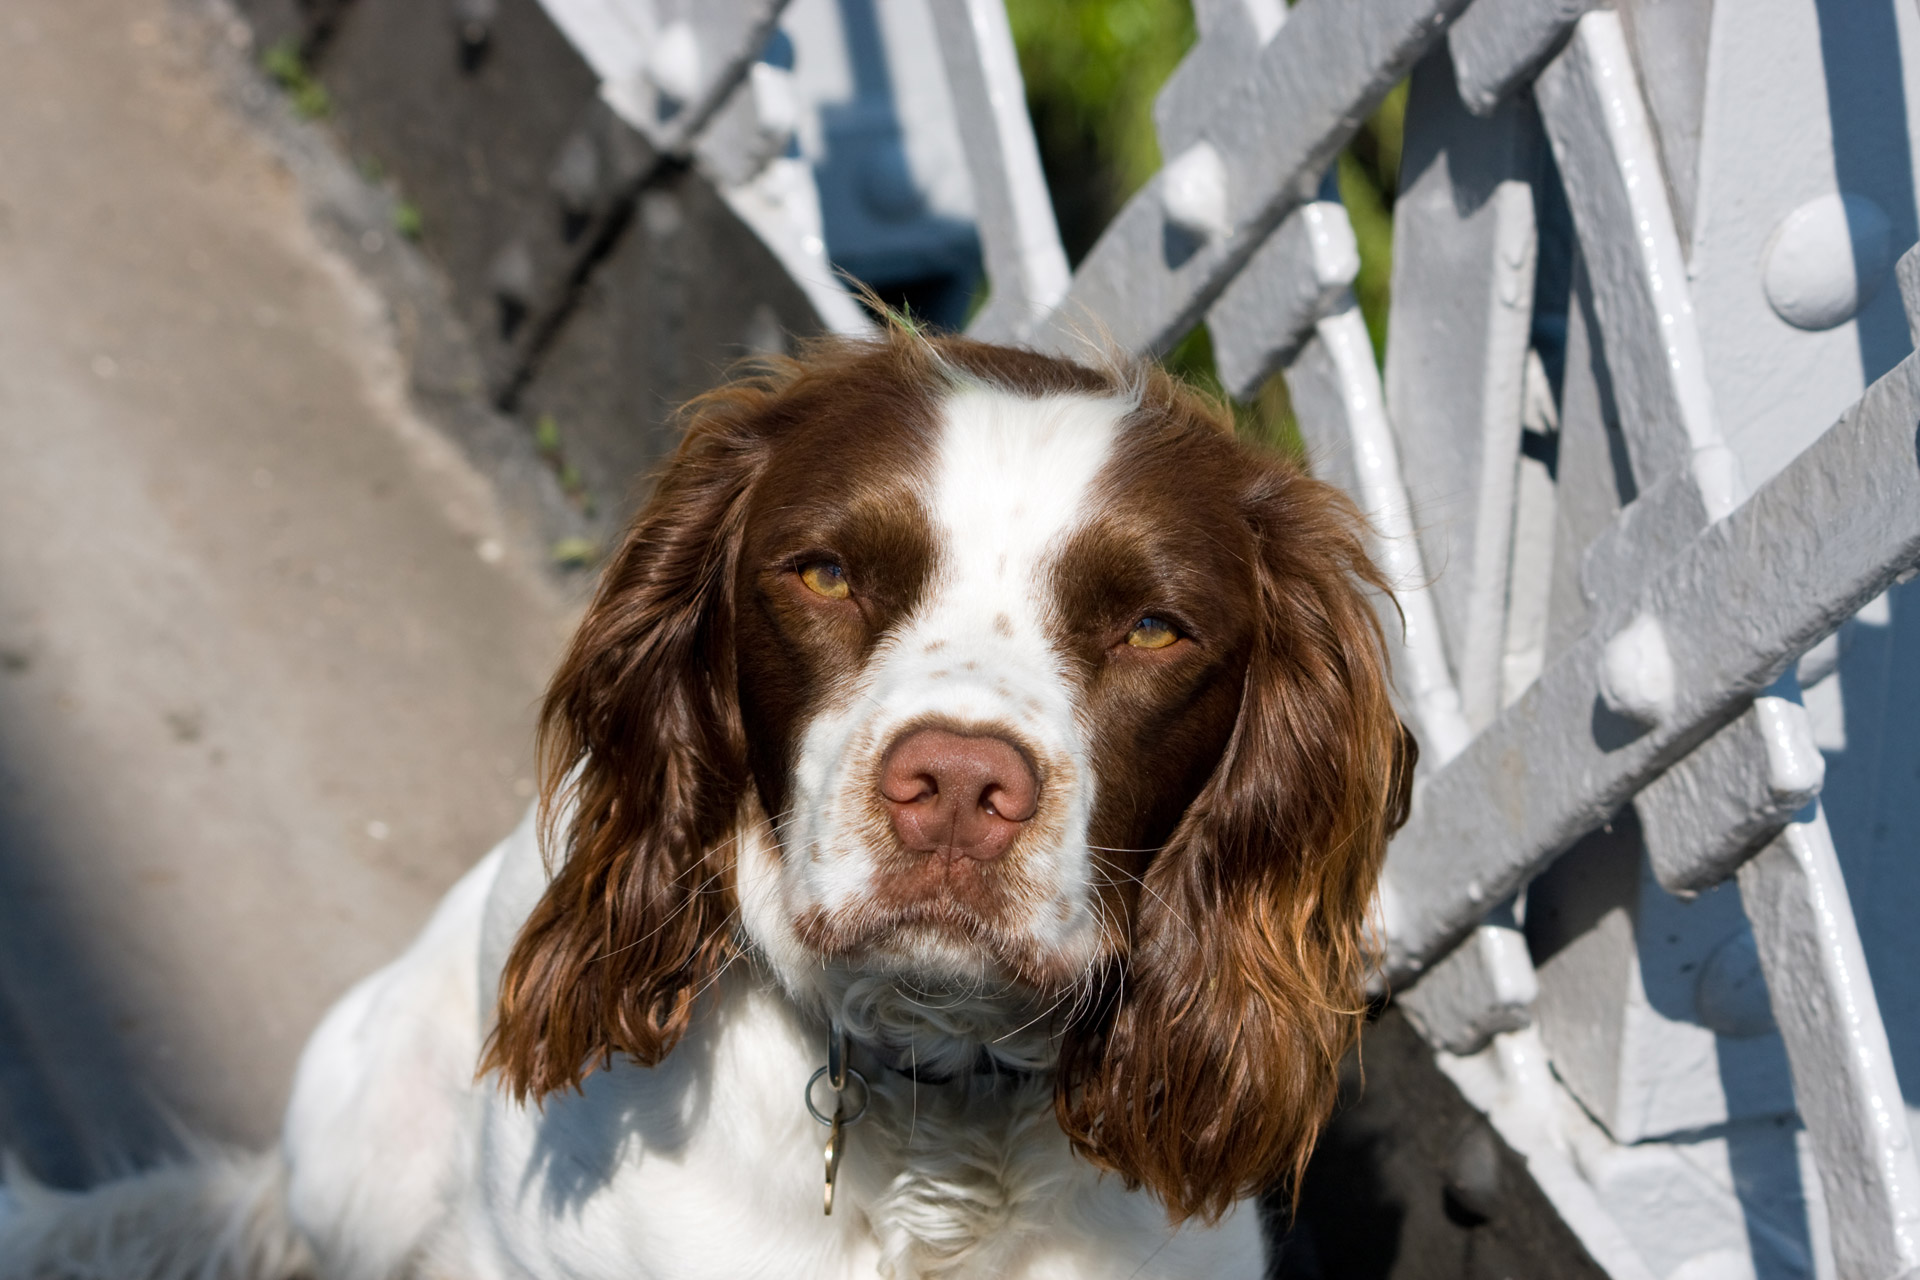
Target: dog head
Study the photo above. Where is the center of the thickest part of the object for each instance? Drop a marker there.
(940, 665)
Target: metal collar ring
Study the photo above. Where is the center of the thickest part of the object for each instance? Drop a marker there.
(866, 1096)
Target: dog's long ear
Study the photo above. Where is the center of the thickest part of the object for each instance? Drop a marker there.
(1212, 1065)
(642, 775)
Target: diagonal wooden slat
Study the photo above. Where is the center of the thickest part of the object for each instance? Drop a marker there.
(664, 66)
(1297, 278)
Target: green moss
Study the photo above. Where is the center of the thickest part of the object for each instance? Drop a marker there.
(407, 221)
(575, 553)
(552, 446)
(282, 61)
(546, 435)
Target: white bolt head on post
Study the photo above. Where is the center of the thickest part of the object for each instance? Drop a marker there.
(1719, 478)
(1636, 672)
(1193, 189)
(673, 63)
(1794, 764)
(1826, 260)
(774, 106)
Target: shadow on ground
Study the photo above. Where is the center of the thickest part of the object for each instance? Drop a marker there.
(1411, 1183)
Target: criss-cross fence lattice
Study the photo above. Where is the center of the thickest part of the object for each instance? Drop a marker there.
(1643, 462)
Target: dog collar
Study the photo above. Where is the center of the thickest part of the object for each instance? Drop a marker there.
(844, 1079)
(983, 1065)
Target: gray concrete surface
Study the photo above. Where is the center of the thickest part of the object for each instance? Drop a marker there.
(270, 641)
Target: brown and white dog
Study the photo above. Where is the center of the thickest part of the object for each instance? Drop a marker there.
(1004, 719)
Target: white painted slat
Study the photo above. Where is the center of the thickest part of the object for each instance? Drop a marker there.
(1590, 103)
(665, 67)
(1523, 649)
(1232, 33)
(1457, 340)
(1843, 1079)
(612, 35)
(1336, 396)
(1703, 816)
(1733, 793)
(1026, 267)
(1484, 987)
(1708, 812)
(1789, 216)
(1819, 540)
(1664, 518)
(1512, 1082)
(1299, 276)
(1498, 45)
(782, 206)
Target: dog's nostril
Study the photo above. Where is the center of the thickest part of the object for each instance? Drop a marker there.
(908, 788)
(957, 793)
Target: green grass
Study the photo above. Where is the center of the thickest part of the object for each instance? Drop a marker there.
(1092, 69)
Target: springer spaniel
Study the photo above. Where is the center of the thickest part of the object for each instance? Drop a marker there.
(993, 737)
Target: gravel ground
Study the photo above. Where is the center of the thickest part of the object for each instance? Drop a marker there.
(271, 638)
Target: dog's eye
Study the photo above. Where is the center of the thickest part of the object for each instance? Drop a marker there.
(825, 578)
(1152, 633)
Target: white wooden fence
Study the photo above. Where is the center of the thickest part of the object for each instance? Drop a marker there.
(1643, 464)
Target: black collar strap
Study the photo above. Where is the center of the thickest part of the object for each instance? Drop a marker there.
(983, 1065)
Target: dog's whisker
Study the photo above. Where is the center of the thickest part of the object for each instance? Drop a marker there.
(1156, 896)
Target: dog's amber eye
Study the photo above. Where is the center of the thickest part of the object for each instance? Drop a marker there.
(1152, 633)
(825, 578)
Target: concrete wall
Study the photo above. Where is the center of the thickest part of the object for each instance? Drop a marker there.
(595, 300)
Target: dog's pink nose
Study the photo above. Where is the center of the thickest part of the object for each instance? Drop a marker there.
(956, 793)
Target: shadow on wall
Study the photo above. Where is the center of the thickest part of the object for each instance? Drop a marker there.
(1872, 801)
(1872, 154)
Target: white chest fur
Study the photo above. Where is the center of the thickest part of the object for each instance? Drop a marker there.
(706, 1166)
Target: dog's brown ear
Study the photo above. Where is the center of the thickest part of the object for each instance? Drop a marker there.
(1208, 1072)
(642, 776)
